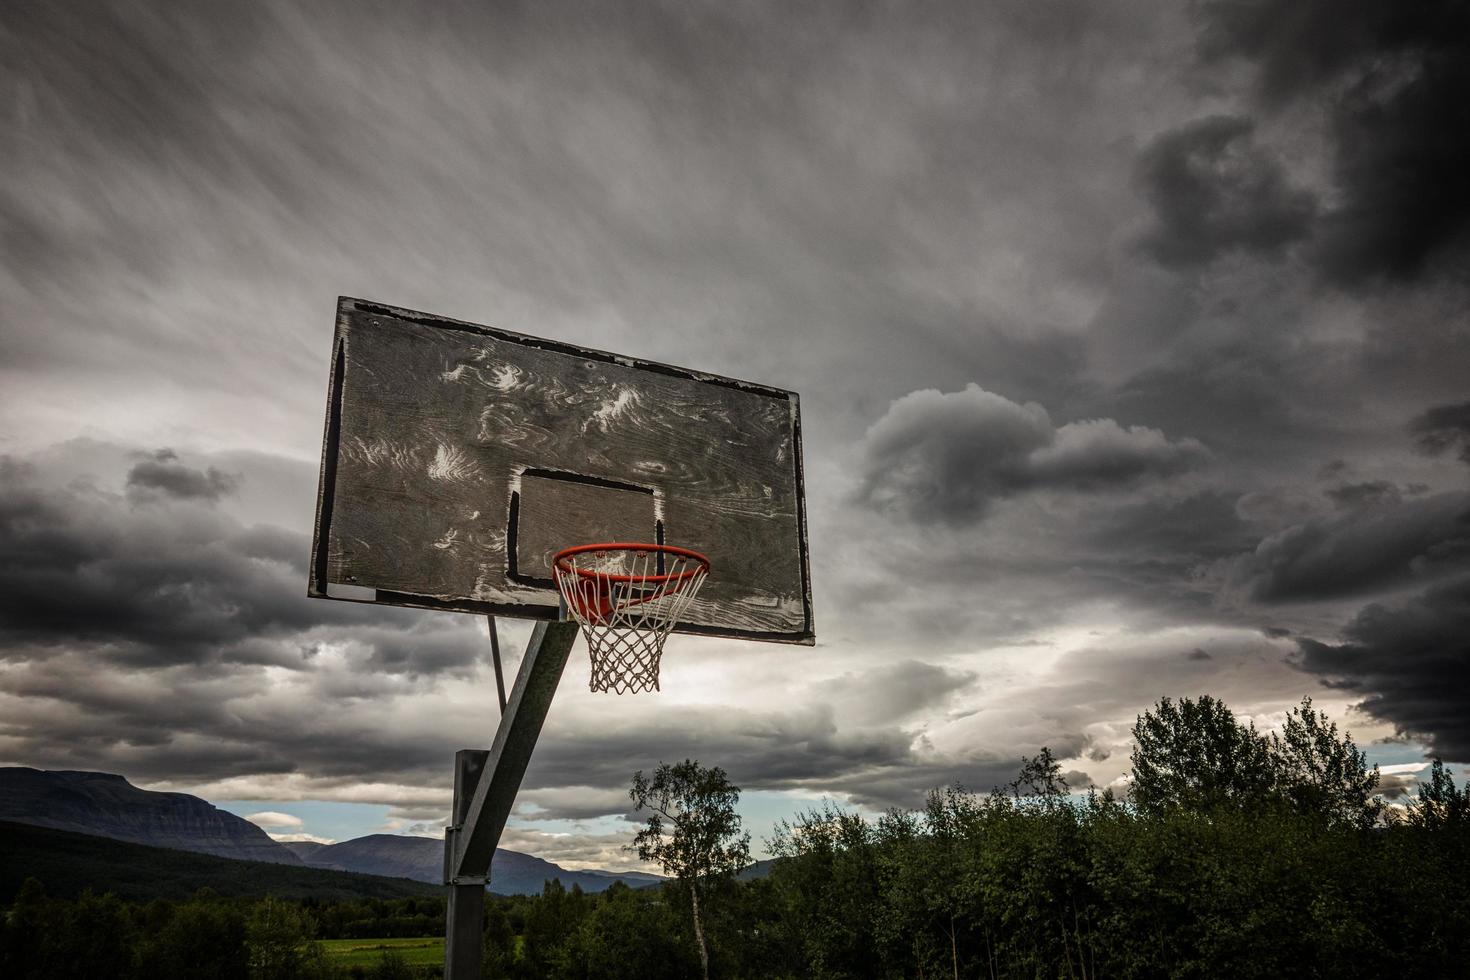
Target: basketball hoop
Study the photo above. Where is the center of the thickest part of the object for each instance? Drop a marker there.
(627, 597)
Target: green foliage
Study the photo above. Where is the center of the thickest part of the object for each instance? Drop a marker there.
(392, 966)
(1194, 755)
(499, 949)
(1440, 805)
(202, 937)
(828, 883)
(279, 942)
(629, 935)
(24, 931)
(1319, 771)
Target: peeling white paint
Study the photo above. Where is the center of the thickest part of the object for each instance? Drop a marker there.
(613, 408)
(450, 463)
(379, 452)
(506, 377)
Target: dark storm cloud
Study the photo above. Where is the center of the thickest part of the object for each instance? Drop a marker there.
(75, 714)
(1147, 553)
(802, 748)
(1237, 397)
(1299, 47)
(1354, 495)
(1378, 547)
(1214, 190)
(905, 787)
(764, 749)
(169, 579)
(1393, 78)
(945, 457)
(161, 472)
(1183, 530)
(1443, 428)
(1403, 148)
(895, 691)
(1411, 663)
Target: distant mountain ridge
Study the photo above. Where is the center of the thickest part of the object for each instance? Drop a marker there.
(107, 805)
(422, 859)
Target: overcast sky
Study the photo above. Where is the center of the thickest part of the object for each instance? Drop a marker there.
(1131, 337)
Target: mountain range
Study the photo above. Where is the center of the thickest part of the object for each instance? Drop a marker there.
(107, 805)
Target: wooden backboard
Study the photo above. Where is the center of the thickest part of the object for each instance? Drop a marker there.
(459, 458)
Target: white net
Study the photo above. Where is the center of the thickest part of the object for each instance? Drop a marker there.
(628, 598)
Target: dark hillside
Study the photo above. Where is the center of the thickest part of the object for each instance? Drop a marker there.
(68, 863)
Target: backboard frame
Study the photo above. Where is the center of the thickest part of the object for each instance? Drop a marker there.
(321, 584)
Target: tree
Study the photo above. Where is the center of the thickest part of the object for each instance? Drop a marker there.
(23, 931)
(1440, 804)
(693, 833)
(1039, 777)
(202, 937)
(279, 942)
(629, 935)
(1195, 756)
(1322, 772)
(828, 877)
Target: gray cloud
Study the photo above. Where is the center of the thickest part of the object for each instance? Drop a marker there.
(1442, 428)
(162, 473)
(778, 749)
(171, 580)
(943, 458)
(1378, 547)
(896, 691)
(1214, 191)
(1371, 492)
(1411, 662)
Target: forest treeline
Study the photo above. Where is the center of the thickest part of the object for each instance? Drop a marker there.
(1234, 854)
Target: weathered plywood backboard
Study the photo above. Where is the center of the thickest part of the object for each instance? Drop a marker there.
(459, 458)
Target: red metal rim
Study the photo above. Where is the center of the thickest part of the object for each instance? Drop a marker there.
(561, 562)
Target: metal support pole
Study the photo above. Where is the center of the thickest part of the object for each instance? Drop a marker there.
(465, 913)
(495, 655)
(470, 843)
(520, 726)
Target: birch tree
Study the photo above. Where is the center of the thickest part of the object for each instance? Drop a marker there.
(693, 831)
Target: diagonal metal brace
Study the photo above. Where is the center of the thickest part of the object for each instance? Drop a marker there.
(474, 841)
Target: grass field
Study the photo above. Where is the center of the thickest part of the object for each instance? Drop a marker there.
(367, 952)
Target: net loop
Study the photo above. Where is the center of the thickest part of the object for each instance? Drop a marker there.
(627, 598)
